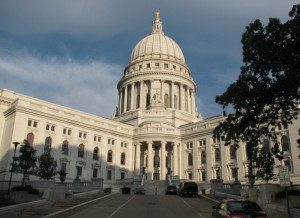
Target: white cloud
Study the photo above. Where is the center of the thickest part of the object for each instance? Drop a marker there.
(88, 85)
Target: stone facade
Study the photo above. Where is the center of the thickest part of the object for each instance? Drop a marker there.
(156, 131)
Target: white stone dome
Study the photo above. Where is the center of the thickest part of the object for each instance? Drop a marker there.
(157, 45)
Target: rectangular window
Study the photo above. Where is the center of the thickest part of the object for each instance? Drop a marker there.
(202, 142)
(29, 123)
(95, 172)
(79, 170)
(108, 141)
(108, 174)
(69, 132)
(63, 167)
(174, 67)
(166, 66)
(203, 175)
(80, 134)
(48, 127)
(218, 174)
(156, 64)
(190, 176)
(84, 135)
(35, 124)
(112, 142)
(122, 175)
(140, 66)
(148, 65)
(95, 138)
(288, 164)
(52, 128)
(64, 131)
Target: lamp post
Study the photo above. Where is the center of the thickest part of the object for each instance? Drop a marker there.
(12, 166)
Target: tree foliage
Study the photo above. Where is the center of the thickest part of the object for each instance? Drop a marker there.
(266, 92)
(47, 166)
(26, 162)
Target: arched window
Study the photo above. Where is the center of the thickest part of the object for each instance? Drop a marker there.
(156, 161)
(190, 159)
(266, 146)
(175, 102)
(30, 138)
(81, 150)
(232, 151)
(166, 100)
(217, 155)
(285, 143)
(123, 158)
(95, 153)
(137, 101)
(65, 147)
(203, 157)
(48, 144)
(109, 156)
(148, 99)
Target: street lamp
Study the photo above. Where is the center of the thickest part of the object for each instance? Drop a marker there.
(12, 166)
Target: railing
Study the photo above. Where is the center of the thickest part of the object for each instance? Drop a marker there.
(124, 181)
(80, 186)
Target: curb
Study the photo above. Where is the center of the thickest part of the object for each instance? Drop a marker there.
(211, 199)
(68, 211)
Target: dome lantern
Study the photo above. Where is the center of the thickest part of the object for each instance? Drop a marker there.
(157, 24)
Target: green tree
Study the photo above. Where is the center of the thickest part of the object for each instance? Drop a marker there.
(26, 162)
(47, 166)
(266, 92)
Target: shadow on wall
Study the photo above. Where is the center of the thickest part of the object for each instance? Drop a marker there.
(82, 162)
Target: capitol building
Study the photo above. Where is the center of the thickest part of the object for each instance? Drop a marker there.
(157, 131)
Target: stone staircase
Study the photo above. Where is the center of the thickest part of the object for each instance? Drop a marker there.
(153, 187)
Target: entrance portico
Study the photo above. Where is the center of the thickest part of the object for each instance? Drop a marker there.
(156, 159)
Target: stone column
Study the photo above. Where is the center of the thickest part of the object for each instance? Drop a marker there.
(120, 102)
(132, 97)
(182, 106)
(141, 94)
(180, 159)
(125, 99)
(195, 160)
(193, 102)
(138, 159)
(162, 91)
(175, 161)
(150, 160)
(172, 95)
(151, 91)
(188, 100)
(163, 161)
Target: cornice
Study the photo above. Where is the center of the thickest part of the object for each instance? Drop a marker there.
(77, 123)
(149, 73)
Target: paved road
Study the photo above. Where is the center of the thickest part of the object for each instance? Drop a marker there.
(144, 206)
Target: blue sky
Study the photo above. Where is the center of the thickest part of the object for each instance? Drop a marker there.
(73, 52)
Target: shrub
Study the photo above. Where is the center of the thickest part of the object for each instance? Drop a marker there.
(290, 192)
(27, 188)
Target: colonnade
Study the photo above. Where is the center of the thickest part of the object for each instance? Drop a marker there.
(133, 96)
(156, 159)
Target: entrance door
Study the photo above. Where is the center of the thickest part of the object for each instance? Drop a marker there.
(155, 176)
